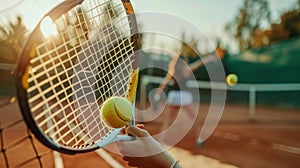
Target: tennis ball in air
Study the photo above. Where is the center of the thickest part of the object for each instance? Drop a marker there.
(116, 112)
(231, 79)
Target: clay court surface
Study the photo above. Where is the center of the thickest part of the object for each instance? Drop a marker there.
(272, 140)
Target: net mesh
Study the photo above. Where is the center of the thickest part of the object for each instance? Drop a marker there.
(18, 146)
(88, 60)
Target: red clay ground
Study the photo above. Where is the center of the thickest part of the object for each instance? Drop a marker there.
(273, 140)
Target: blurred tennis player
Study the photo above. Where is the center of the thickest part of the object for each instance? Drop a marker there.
(179, 96)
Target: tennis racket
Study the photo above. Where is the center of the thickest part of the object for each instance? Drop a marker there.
(89, 55)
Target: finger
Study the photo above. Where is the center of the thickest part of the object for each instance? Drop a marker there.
(126, 158)
(123, 131)
(142, 126)
(126, 148)
(136, 131)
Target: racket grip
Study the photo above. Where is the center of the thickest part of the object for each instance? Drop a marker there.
(125, 138)
(105, 142)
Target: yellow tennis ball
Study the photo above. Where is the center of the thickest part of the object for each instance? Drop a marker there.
(231, 79)
(116, 112)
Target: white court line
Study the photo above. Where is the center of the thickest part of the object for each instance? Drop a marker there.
(189, 160)
(254, 141)
(286, 148)
(108, 158)
(227, 135)
(58, 161)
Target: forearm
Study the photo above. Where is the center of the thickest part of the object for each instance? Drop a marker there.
(164, 83)
(150, 152)
(194, 66)
(162, 86)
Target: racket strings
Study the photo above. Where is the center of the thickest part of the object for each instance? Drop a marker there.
(104, 12)
(75, 75)
(52, 77)
(52, 69)
(111, 73)
(65, 42)
(118, 79)
(51, 127)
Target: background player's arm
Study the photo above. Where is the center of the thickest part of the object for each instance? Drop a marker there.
(200, 62)
(165, 82)
(170, 73)
(195, 65)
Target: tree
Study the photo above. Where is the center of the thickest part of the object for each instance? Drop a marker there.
(252, 16)
(288, 27)
(12, 37)
(291, 22)
(189, 49)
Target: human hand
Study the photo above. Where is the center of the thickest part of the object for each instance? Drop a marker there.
(144, 151)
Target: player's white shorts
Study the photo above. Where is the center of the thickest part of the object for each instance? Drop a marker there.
(179, 98)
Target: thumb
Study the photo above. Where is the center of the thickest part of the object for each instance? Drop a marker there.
(136, 131)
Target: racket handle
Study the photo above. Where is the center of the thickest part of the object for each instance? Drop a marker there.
(107, 141)
(124, 138)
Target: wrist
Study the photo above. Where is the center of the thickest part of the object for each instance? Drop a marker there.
(175, 164)
(169, 161)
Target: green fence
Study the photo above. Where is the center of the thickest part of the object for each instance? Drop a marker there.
(275, 64)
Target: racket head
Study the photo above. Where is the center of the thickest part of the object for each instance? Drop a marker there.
(63, 80)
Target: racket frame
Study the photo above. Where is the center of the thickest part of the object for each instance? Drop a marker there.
(21, 71)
